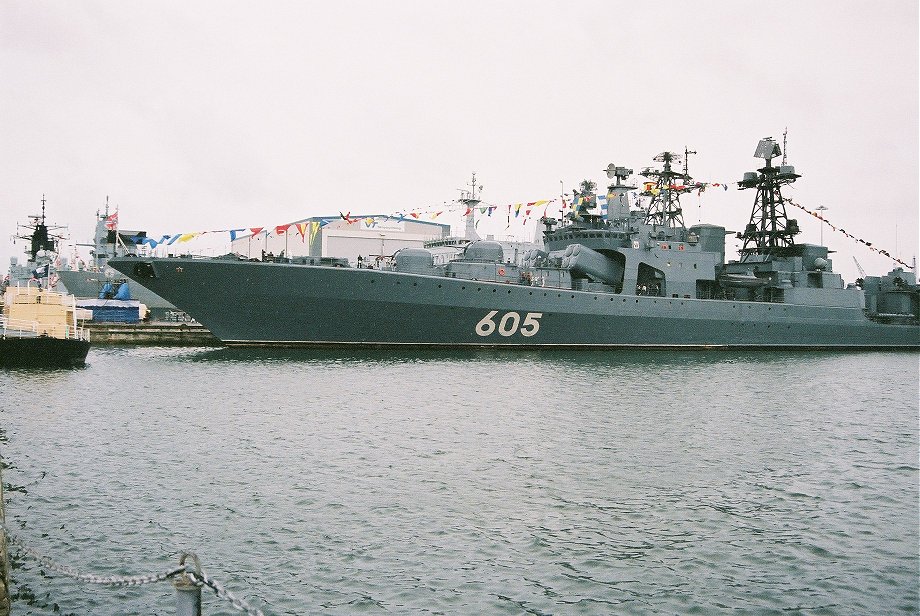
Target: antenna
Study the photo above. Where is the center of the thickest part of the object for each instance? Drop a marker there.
(620, 173)
(687, 154)
(470, 195)
(470, 200)
(785, 130)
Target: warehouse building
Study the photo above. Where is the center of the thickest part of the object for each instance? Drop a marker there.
(368, 237)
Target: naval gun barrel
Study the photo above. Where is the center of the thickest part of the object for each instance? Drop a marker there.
(583, 262)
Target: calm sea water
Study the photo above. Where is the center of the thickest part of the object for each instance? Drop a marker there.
(476, 482)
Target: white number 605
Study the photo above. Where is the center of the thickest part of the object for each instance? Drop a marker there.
(509, 324)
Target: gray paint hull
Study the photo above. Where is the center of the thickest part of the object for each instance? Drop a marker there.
(250, 303)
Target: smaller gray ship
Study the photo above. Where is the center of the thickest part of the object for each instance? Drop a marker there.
(638, 277)
(42, 245)
(88, 281)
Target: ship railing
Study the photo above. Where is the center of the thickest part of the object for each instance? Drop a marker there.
(20, 326)
(35, 328)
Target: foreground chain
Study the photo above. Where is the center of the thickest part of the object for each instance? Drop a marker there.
(200, 577)
(194, 573)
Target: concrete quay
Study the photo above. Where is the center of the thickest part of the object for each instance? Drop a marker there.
(154, 333)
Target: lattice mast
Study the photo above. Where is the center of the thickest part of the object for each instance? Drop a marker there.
(665, 189)
(770, 231)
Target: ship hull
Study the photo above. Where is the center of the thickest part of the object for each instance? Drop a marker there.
(42, 352)
(251, 303)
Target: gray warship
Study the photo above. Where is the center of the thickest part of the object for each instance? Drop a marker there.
(42, 244)
(88, 281)
(635, 278)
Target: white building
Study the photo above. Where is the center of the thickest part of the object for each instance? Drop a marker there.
(369, 237)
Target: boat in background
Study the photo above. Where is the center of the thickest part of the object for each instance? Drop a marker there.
(637, 277)
(42, 252)
(41, 328)
(88, 281)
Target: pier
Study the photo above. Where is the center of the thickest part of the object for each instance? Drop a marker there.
(159, 333)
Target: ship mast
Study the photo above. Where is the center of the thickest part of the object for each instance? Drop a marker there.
(40, 235)
(770, 231)
(664, 209)
(617, 200)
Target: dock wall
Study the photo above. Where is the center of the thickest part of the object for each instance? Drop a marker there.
(156, 333)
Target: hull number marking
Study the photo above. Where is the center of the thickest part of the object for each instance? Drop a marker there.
(509, 324)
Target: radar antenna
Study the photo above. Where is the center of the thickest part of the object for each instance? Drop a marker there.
(617, 193)
(664, 210)
(770, 231)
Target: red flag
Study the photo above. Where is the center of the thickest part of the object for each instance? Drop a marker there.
(111, 222)
(281, 229)
(256, 230)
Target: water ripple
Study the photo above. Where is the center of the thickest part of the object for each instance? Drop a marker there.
(472, 482)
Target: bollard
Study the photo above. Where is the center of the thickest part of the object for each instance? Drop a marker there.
(188, 596)
(188, 592)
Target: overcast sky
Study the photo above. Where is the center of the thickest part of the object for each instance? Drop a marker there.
(195, 115)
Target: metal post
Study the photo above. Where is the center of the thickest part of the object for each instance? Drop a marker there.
(821, 208)
(188, 596)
